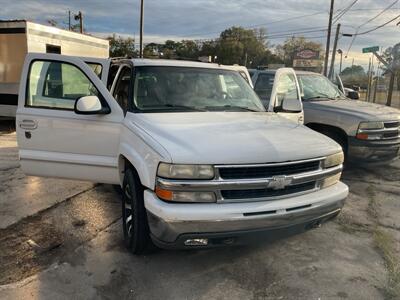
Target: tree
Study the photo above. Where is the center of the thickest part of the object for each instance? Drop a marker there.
(122, 47)
(286, 52)
(188, 49)
(354, 75)
(237, 45)
(388, 56)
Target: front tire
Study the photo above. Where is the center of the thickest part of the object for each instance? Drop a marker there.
(134, 217)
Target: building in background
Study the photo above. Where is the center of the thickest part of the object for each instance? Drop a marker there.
(19, 37)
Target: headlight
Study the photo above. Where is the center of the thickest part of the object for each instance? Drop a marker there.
(185, 171)
(334, 160)
(370, 131)
(371, 125)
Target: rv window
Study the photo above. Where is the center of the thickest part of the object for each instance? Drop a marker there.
(53, 49)
(57, 85)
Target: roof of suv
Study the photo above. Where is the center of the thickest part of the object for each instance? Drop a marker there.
(299, 72)
(176, 63)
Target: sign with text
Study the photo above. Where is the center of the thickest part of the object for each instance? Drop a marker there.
(370, 49)
(306, 54)
(307, 63)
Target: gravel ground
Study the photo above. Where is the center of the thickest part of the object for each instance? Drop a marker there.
(69, 246)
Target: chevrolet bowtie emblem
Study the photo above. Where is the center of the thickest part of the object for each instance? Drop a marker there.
(279, 182)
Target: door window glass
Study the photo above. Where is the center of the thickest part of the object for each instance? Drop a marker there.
(111, 76)
(121, 91)
(263, 87)
(286, 89)
(57, 85)
(96, 68)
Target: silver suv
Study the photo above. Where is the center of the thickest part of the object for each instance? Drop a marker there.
(367, 132)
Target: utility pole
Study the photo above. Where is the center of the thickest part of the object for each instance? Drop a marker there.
(141, 28)
(391, 86)
(340, 51)
(79, 17)
(328, 39)
(69, 20)
(369, 81)
(332, 70)
(376, 82)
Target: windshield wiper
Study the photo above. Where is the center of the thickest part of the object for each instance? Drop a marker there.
(177, 107)
(232, 107)
(320, 97)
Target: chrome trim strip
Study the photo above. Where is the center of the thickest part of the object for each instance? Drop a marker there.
(241, 184)
(270, 164)
(384, 130)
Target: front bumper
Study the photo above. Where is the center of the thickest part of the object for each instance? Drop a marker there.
(171, 224)
(381, 151)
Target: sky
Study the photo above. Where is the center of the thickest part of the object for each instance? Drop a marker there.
(204, 19)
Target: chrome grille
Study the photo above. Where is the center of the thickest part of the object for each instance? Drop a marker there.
(392, 124)
(392, 130)
(302, 177)
(239, 172)
(268, 193)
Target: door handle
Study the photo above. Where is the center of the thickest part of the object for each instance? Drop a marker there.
(28, 124)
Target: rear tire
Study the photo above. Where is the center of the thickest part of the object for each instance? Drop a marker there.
(134, 217)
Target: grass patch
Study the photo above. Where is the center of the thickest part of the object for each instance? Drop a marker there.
(385, 244)
(372, 204)
(347, 225)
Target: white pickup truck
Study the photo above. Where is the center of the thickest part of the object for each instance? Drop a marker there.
(200, 161)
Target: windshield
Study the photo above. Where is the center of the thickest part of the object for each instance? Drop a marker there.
(171, 89)
(318, 87)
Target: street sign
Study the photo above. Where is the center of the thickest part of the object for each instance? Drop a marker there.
(370, 49)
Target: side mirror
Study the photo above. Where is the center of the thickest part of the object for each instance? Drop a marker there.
(292, 106)
(90, 105)
(353, 95)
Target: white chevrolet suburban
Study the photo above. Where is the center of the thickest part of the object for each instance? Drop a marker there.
(200, 161)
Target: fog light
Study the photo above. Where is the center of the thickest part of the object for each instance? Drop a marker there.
(196, 242)
(330, 180)
(186, 197)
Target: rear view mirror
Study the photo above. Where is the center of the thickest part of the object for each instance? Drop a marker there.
(292, 106)
(90, 105)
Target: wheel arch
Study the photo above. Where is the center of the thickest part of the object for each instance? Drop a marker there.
(323, 128)
(125, 162)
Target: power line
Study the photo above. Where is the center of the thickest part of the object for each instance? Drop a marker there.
(378, 27)
(381, 13)
(263, 24)
(344, 11)
(370, 20)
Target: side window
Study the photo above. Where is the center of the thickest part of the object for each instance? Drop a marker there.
(263, 87)
(57, 85)
(111, 75)
(121, 91)
(286, 89)
(96, 68)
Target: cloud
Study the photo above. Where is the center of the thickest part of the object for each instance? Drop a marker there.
(179, 19)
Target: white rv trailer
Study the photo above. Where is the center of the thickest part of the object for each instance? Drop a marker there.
(19, 37)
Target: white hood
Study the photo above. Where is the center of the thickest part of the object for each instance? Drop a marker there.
(232, 137)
